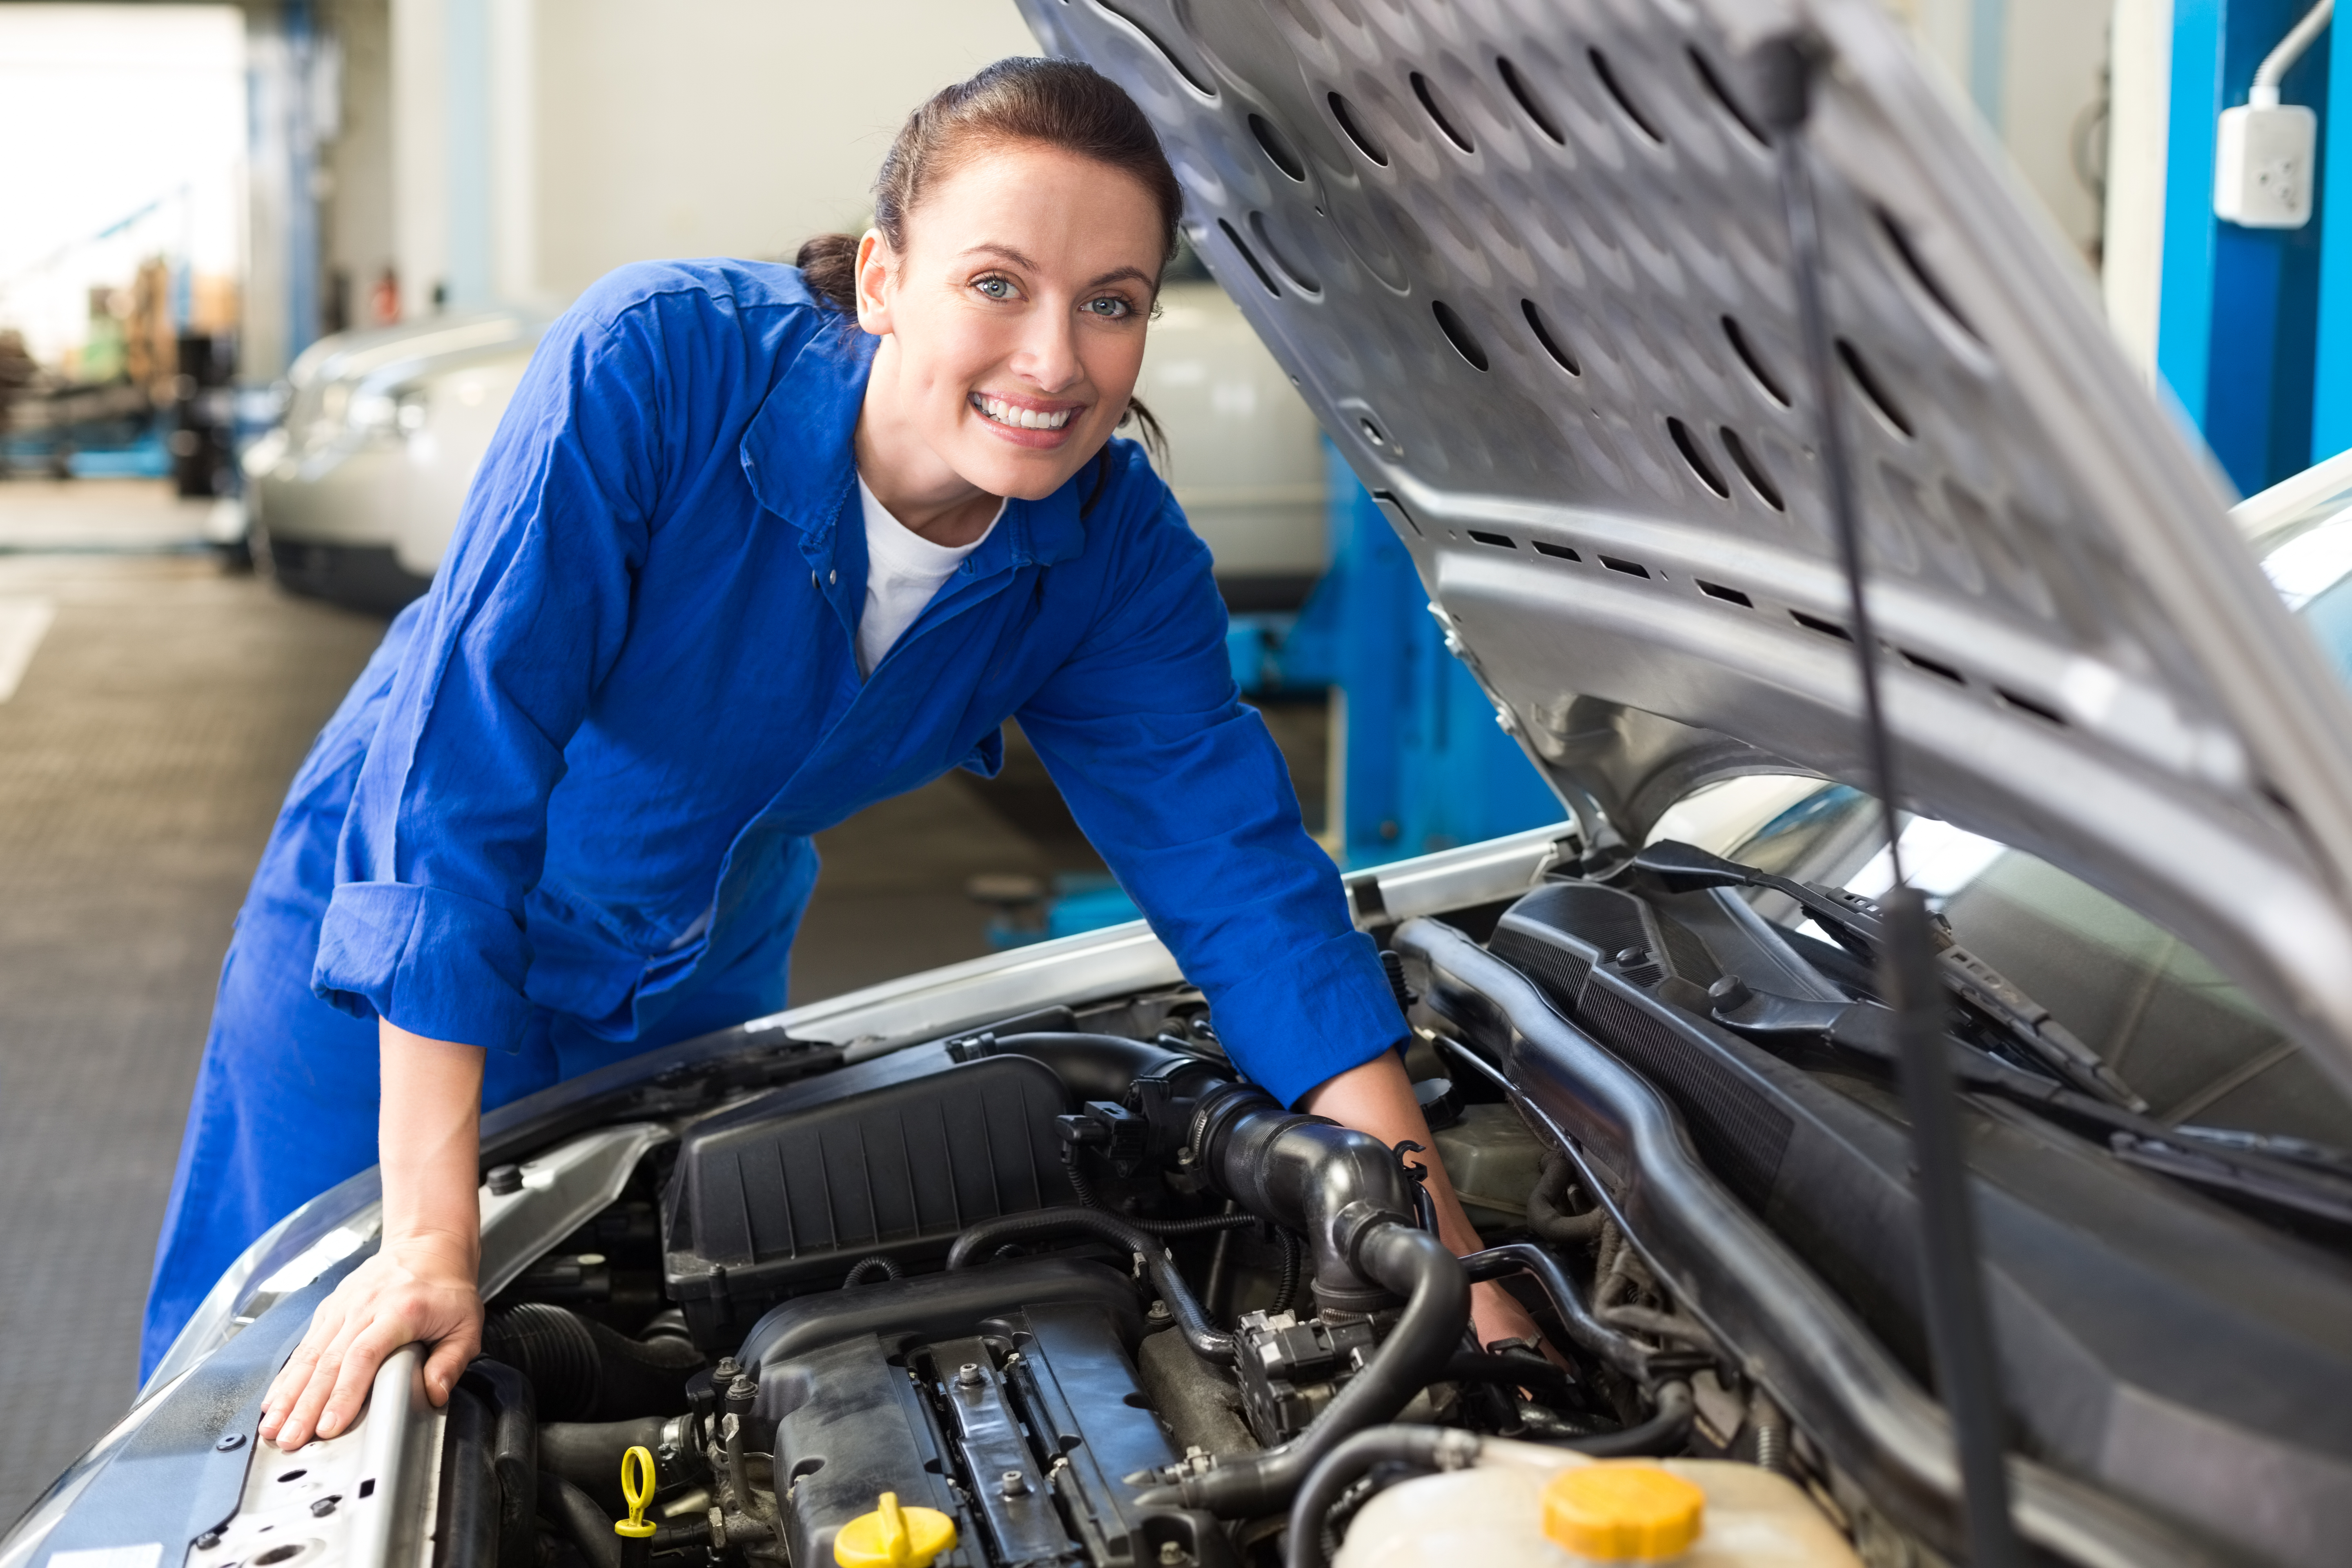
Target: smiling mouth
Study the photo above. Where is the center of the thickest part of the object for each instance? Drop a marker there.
(1016, 417)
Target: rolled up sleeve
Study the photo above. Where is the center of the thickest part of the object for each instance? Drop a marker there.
(446, 831)
(1181, 788)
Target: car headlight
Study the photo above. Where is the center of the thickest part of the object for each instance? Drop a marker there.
(373, 413)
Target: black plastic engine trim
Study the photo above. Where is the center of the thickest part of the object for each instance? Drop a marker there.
(1730, 1271)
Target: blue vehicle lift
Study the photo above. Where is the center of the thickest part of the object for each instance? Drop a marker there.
(1421, 762)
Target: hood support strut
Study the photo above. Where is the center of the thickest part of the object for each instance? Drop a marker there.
(1959, 1331)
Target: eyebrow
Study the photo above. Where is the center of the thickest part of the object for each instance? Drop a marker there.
(1116, 273)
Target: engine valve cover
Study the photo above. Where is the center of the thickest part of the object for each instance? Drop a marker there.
(1023, 1431)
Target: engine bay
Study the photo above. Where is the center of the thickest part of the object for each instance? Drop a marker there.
(1086, 1294)
(1068, 1289)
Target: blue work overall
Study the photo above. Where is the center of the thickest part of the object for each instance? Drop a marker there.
(565, 811)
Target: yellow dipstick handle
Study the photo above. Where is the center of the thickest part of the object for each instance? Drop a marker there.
(638, 1486)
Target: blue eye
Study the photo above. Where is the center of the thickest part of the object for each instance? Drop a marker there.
(1110, 308)
(995, 288)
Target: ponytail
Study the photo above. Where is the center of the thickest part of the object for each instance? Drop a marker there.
(829, 264)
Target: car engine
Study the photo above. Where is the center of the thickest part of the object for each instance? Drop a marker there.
(1084, 1294)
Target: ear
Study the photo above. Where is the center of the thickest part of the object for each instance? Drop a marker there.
(877, 274)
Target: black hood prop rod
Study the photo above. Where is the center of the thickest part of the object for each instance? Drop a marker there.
(1959, 1331)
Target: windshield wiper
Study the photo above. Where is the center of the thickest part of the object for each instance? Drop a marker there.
(2290, 1172)
(1854, 922)
(2287, 1171)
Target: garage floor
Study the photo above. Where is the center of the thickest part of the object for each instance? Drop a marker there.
(164, 707)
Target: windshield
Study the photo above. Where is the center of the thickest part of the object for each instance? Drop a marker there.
(2156, 1012)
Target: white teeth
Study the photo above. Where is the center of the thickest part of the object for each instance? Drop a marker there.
(1005, 413)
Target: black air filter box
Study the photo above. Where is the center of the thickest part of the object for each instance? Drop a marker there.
(891, 1157)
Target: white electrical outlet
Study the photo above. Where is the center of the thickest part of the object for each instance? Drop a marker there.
(2262, 163)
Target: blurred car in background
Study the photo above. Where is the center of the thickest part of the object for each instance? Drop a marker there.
(357, 492)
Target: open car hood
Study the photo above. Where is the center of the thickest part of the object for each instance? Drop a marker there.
(1527, 262)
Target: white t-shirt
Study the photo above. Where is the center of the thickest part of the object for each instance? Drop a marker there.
(903, 571)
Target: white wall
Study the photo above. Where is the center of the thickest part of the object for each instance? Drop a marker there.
(2044, 76)
(616, 131)
(731, 127)
(357, 200)
(2133, 279)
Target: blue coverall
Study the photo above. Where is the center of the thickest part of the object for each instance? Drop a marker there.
(565, 811)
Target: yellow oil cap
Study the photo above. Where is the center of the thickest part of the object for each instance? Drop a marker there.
(1623, 1513)
(894, 1537)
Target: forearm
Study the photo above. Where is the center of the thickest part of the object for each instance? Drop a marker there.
(1377, 1097)
(429, 1141)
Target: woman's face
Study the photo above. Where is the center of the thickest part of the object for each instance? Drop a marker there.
(1014, 317)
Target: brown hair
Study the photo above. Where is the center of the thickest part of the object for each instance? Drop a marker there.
(1057, 103)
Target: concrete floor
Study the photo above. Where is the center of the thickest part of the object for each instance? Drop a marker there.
(164, 705)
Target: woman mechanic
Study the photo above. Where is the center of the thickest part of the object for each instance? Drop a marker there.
(754, 547)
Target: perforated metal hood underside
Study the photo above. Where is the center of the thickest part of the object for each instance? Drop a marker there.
(1527, 260)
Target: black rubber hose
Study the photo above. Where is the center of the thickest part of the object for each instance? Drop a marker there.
(466, 1528)
(513, 1439)
(1526, 1258)
(583, 1524)
(1103, 1066)
(1191, 1321)
(1417, 1447)
(1511, 1371)
(583, 1371)
(1547, 1219)
(1416, 1266)
(588, 1454)
(1667, 1431)
(678, 1537)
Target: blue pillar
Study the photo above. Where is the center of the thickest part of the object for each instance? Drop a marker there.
(2331, 400)
(2184, 334)
(2236, 333)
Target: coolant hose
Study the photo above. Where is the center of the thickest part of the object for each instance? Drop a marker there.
(1418, 1448)
(582, 1522)
(985, 1238)
(1523, 1257)
(1665, 1432)
(582, 1371)
(1416, 1266)
(588, 1454)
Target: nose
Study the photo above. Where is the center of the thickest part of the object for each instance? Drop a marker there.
(1047, 354)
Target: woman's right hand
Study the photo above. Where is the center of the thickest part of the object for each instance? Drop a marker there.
(416, 1288)
(424, 1281)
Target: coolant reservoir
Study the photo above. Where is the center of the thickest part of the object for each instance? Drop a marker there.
(1527, 1506)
